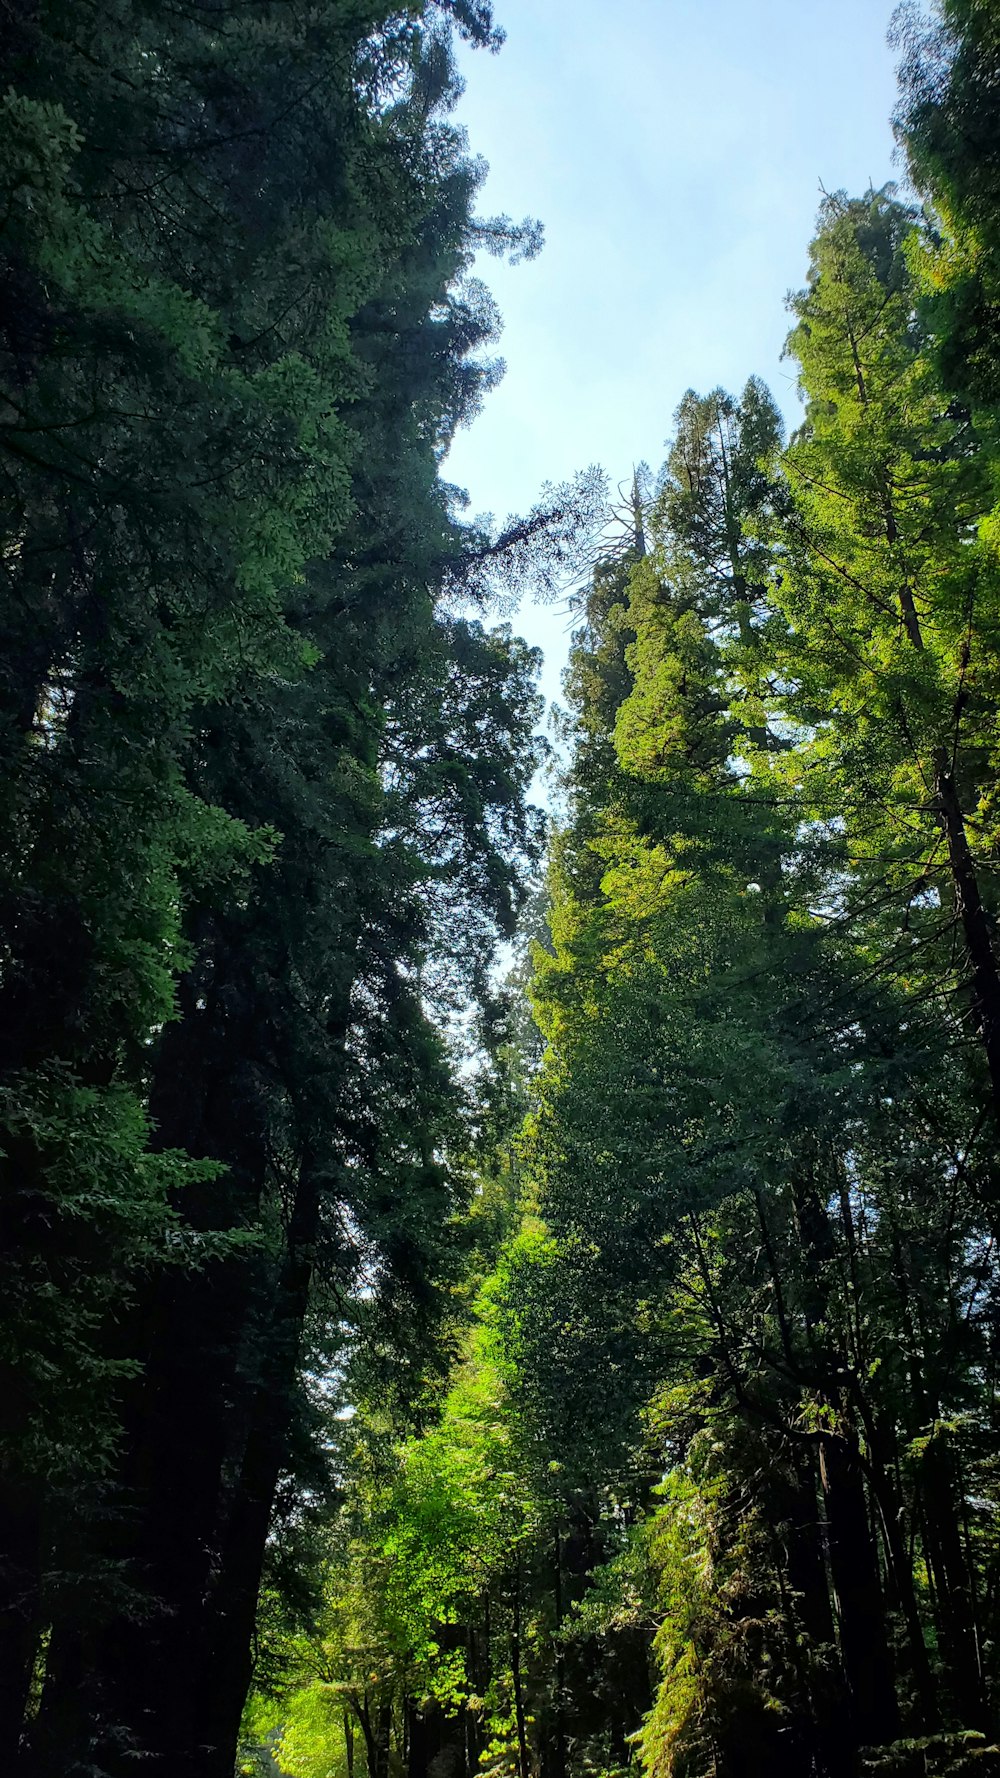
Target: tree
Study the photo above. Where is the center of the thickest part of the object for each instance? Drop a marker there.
(256, 769)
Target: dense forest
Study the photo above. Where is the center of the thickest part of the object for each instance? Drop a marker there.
(483, 1295)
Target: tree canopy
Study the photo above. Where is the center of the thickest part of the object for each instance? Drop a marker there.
(480, 1295)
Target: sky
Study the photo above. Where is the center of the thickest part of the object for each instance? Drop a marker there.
(675, 152)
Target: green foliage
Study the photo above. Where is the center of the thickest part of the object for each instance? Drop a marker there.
(625, 1396)
(265, 808)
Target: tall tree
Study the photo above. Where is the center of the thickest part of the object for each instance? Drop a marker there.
(265, 797)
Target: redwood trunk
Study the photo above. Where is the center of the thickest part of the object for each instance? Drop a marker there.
(858, 1593)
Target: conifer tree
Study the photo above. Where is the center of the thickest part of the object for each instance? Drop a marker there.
(266, 801)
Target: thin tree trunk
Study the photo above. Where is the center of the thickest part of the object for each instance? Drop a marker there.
(954, 1604)
(900, 1568)
(860, 1608)
(558, 1756)
(973, 919)
(969, 906)
(515, 1669)
(383, 1735)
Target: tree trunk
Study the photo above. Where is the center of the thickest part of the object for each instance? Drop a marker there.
(858, 1594)
(515, 1670)
(105, 1699)
(900, 1572)
(955, 1613)
(974, 921)
(179, 1420)
(557, 1758)
(228, 1664)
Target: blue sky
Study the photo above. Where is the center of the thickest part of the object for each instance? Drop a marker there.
(674, 151)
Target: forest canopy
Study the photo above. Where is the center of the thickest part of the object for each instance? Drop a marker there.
(483, 1296)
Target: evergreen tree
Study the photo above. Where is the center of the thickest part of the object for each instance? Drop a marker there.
(266, 800)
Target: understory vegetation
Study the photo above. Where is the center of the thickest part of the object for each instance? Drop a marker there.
(482, 1295)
